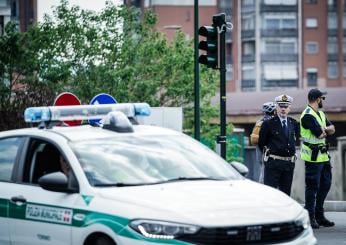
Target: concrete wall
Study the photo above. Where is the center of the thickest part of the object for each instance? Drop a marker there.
(338, 156)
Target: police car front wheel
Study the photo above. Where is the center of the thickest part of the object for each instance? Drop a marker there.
(100, 240)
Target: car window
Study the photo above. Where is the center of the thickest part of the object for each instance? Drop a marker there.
(43, 158)
(8, 153)
(146, 160)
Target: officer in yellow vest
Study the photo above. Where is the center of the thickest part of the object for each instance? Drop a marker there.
(314, 128)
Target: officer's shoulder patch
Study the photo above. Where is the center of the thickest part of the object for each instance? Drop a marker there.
(307, 110)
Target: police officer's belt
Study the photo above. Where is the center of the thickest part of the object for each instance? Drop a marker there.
(290, 159)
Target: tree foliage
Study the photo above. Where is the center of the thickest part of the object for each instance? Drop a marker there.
(115, 51)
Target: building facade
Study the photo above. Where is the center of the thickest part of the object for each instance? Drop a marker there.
(23, 12)
(275, 44)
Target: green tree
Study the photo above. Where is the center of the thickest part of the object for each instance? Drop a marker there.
(19, 84)
(116, 51)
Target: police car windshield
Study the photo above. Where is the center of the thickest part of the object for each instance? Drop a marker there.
(141, 160)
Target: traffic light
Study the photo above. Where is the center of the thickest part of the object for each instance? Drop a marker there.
(210, 45)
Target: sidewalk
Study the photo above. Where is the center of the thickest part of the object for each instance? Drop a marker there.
(335, 206)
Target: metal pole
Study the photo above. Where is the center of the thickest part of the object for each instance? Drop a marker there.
(222, 53)
(196, 83)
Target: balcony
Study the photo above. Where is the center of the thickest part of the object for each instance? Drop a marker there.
(248, 34)
(248, 84)
(278, 8)
(278, 57)
(247, 9)
(333, 57)
(332, 7)
(248, 58)
(279, 32)
(271, 84)
(332, 32)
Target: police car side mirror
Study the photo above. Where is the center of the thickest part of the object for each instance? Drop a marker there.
(56, 181)
(241, 168)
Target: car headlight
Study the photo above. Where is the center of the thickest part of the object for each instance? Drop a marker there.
(303, 219)
(161, 229)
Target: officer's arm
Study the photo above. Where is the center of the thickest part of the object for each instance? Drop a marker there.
(262, 140)
(330, 129)
(309, 122)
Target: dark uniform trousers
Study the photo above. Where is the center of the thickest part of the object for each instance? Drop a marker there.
(318, 179)
(279, 173)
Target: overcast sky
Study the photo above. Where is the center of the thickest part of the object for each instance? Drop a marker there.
(45, 6)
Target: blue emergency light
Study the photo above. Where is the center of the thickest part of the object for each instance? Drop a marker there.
(83, 112)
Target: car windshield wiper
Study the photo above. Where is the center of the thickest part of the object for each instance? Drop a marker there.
(119, 184)
(189, 179)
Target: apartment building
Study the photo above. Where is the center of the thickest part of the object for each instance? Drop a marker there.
(5, 14)
(23, 12)
(276, 46)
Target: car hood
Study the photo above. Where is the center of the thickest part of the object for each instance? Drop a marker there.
(207, 203)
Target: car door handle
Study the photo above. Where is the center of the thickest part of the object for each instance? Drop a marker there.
(19, 200)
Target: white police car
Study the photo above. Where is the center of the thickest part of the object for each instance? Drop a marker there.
(131, 184)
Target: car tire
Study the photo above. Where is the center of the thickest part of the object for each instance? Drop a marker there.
(103, 240)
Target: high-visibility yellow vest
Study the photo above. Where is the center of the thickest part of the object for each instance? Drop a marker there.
(309, 137)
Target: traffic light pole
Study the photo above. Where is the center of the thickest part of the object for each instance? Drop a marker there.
(215, 58)
(196, 83)
(223, 137)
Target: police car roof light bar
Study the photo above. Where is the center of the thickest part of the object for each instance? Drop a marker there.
(83, 112)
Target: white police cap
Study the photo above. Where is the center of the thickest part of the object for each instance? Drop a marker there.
(283, 99)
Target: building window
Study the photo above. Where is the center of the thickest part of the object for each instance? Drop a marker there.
(332, 21)
(248, 22)
(311, 23)
(311, 1)
(280, 71)
(247, 5)
(280, 2)
(332, 70)
(279, 46)
(229, 72)
(332, 3)
(311, 47)
(312, 77)
(248, 77)
(271, 47)
(248, 72)
(280, 21)
(344, 20)
(344, 45)
(248, 48)
(14, 9)
(3, 3)
(332, 45)
(344, 70)
(2, 25)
